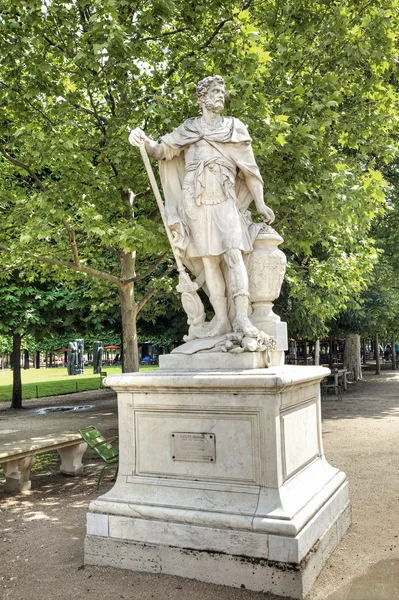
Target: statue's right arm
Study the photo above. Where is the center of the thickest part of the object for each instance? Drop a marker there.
(137, 138)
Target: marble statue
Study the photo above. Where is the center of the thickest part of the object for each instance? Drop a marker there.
(209, 178)
(72, 357)
(75, 360)
(80, 358)
(97, 357)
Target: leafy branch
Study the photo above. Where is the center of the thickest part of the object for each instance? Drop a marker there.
(208, 41)
(21, 165)
(147, 273)
(72, 241)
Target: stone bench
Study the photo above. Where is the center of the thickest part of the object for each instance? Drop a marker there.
(17, 458)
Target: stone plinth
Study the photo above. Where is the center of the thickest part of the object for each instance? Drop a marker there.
(216, 361)
(255, 504)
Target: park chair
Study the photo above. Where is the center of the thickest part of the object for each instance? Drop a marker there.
(101, 446)
(325, 386)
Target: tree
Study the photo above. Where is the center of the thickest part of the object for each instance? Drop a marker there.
(66, 163)
(28, 308)
(329, 115)
(39, 310)
(310, 79)
(375, 313)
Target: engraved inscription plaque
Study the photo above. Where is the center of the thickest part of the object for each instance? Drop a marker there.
(198, 447)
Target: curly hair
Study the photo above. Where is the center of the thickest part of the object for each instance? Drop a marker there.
(204, 85)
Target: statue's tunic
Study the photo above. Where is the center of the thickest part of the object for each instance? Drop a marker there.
(207, 205)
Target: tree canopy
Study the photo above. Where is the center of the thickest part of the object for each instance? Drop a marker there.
(39, 309)
(314, 82)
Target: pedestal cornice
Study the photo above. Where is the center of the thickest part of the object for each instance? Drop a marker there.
(267, 381)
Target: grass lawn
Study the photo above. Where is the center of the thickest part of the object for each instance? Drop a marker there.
(37, 383)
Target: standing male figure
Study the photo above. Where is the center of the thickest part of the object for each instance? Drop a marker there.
(210, 177)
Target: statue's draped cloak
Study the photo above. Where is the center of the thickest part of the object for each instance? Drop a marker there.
(231, 148)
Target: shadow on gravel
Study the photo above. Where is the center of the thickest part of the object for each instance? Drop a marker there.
(376, 397)
(43, 533)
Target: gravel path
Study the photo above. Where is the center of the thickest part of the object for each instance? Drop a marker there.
(42, 531)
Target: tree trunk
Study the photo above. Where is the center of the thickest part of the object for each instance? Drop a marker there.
(16, 401)
(305, 351)
(37, 359)
(295, 352)
(377, 356)
(129, 315)
(331, 357)
(364, 351)
(393, 356)
(26, 359)
(317, 353)
(352, 360)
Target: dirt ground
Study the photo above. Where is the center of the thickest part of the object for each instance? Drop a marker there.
(42, 531)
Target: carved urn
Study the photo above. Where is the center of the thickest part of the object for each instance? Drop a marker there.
(266, 268)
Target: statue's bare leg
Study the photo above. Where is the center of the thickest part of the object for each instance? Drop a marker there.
(217, 295)
(238, 282)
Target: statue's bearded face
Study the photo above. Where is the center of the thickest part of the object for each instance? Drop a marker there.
(214, 99)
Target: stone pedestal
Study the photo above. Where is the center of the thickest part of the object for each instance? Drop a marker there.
(213, 361)
(222, 478)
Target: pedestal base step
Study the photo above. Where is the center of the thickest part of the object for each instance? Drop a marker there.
(253, 573)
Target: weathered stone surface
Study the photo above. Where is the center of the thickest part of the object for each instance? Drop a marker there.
(260, 503)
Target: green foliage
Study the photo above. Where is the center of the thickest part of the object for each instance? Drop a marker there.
(28, 307)
(49, 312)
(5, 344)
(85, 75)
(40, 308)
(376, 310)
(45, 462)
(329, 107)
(312, 80)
